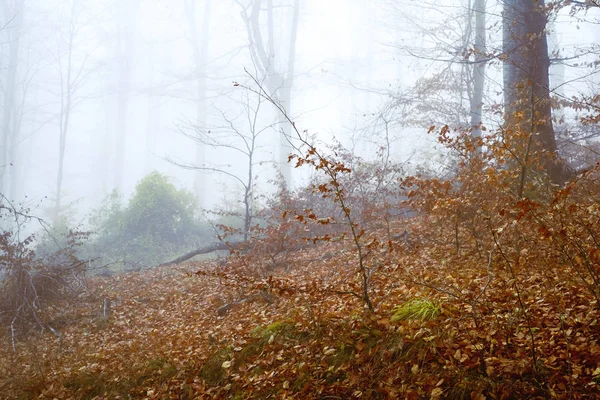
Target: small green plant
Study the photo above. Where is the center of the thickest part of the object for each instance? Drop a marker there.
(416, 309)
(213, 371)
(90, 385)
(276, 328)
(157, 368)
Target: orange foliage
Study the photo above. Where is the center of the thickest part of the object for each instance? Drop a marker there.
(512, 262)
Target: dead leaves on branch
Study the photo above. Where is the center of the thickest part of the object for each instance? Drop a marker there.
(489, 279)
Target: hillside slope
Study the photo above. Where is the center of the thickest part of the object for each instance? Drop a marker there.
(295, 334)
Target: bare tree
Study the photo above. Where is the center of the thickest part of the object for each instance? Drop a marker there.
(72, 69)
(279, 82)
(127, 11)
(12, 25)
(199, 42)
(452, 91)
(152, 116)
(240, 134)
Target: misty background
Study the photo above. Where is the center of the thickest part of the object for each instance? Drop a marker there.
(97, 94)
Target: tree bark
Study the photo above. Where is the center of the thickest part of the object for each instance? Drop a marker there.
(526, 82)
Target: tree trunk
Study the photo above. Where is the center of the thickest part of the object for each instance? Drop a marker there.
(66, 95)
(153, 117)
(10, 86)
(526, 82)
(478, 69)
(286, 98)
(218, 246)
(279, 83)
(126, 26)
(199, 43)
(16, 158)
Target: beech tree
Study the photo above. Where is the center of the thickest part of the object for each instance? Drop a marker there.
(478, 80)
(199, 32)
(526, 82)
(279, 79)
(11, 26)
(451, 85)
(127, 11)
(72, 68)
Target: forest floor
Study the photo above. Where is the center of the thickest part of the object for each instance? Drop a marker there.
(440, 330)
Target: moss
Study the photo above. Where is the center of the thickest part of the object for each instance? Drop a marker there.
(416, 309)
(89, 385)
(161, 368)
(342, 355)
(283, 328)
(251, 350)
(278, 330)
(212, 371)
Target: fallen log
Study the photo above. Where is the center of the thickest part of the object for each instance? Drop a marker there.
(203, 250)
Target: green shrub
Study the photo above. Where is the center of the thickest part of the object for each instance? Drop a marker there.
(157, 223)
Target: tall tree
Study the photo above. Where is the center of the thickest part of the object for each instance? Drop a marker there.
(199, 42)
(12, 24)
(449, 86)
(153, 115)
(127, 11)
(71, 69)
(526, 83)
(478, 81)
(71, 46)
(278, 81)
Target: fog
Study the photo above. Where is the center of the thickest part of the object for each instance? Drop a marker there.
(116, 88)
(299, 199)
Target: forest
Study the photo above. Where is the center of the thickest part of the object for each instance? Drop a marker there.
(286, 199)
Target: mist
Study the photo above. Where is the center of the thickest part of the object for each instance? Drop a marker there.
(299, 199)
(99, 94)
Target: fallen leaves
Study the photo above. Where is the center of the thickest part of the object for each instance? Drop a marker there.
(311, 340)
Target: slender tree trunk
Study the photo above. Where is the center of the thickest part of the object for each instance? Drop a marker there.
(248, 194)
(10, 87)
(479, 68)
(526, 81)
(13, 153)
(200, 43)
(557, 70)
(152, 119)
(278, 83)
(126, 25)
(285, 98)
(66, 86)
(121, 132)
